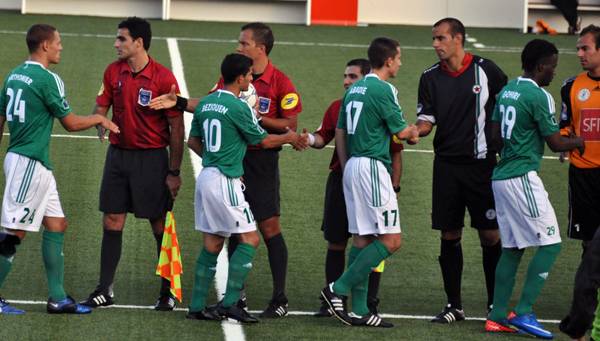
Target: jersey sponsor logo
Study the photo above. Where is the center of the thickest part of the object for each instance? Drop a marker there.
(476, 88)
(583, 95)
(101, 91)
(589, 124)
(289, 101)
(263, 105)
(144, 97)
(490, 214)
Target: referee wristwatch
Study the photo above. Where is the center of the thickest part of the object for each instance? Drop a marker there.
(174, 172)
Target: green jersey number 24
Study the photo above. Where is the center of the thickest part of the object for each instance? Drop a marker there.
(16, 105)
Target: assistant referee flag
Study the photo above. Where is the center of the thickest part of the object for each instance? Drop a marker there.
(169, 262)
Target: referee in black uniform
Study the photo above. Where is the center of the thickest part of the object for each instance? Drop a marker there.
(457, 95)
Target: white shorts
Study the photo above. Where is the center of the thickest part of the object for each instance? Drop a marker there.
(30, 194)
(220, 205)
(525, 216)
(371, 203)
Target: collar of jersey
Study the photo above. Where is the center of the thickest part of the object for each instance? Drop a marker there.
(145, 72)
(527, 80)
(267, 75)
(466, 62)
(226, 91)
(372, 75)
(31, 62)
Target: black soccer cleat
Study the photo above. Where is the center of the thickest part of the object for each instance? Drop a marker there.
(336, 303)
(324, 310)
(369, 320)
(275, 309)
(206, 314)
(98, 299)
(164, 303)
(236, 313)
(243, 301)
(449, 315)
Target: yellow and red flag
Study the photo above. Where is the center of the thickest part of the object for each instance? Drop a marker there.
(169, 262)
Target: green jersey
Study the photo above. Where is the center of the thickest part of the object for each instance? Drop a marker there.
(32, 96)
(370, 113)
(526, 115)
(226, 125)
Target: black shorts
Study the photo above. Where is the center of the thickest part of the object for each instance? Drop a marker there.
(584, 202)
(134, 181)
(335, 220)
(261, 178)
(456, 186)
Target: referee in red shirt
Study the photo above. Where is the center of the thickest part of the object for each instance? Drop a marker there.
(140, 175)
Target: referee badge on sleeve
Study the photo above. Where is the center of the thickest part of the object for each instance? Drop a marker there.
(144, 97)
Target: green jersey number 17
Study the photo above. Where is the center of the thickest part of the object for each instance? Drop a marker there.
(351, 121)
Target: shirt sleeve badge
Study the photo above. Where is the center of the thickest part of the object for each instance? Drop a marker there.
(144, 97)
(289, 101)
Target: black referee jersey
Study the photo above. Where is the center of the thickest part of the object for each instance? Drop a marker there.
(460, 104)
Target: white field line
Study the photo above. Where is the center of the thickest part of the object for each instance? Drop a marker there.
(506, 49)
(194, 156)
(293, 313)
(233, 331)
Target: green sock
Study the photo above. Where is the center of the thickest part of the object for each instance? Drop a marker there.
(54, 261)
(538, 270)
(359, 291)
(5, 265)
(239, 267)
(596, 324)
(505, 282)
(206, 267)
(360, 269)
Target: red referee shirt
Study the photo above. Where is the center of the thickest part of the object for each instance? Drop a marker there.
(327, 132)
(141, 127)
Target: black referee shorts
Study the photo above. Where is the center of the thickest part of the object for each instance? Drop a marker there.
(134, 181)
(335, 220)
(457, 186)
(584, 202)
(261, 178)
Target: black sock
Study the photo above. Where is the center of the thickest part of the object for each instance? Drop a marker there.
(491, 256)
(451, 262)
(334, 265)
(372, 300)
(278, 259)
(232, 245)
(110, 255)
(165, 284)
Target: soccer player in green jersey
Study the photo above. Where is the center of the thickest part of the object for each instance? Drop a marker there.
(369, 116)
(222, 127)
(32, 96)
(524, 117)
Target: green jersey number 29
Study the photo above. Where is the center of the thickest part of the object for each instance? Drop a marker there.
(16, 105)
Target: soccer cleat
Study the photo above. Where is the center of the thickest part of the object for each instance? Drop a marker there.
(275, 309)
(164, 303)
(236, 313)
(243, 301)
(449, 315)
(369, 320)
(336, 304)
(66, 306)
(324, 310)
(207, 314)
(529, 324)
(98, 299)
(498, 327)
(7, 309)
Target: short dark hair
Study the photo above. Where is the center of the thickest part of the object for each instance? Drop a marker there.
(595, 31)
(535, 52)
(138, 28)
(37, 34)
(363, 64)
(456, 27)
(262, 34)
(233, 66)
(380, 50)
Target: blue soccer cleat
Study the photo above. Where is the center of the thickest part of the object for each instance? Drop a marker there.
(528, 323)
(7, 309)
(66, 306)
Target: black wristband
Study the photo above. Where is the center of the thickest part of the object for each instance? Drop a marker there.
(181, 104)
(397, 189)
(174, 172)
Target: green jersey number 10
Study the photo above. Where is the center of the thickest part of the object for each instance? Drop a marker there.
(212, 135)
(16, 106)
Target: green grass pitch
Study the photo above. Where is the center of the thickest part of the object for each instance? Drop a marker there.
(411, 284)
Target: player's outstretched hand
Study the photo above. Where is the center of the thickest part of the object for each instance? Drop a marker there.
(109, 125)
(101, 132)
(414, 135)
(165, 101)
(301, 142)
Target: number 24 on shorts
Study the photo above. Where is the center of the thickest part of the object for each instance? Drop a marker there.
(28, 216)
